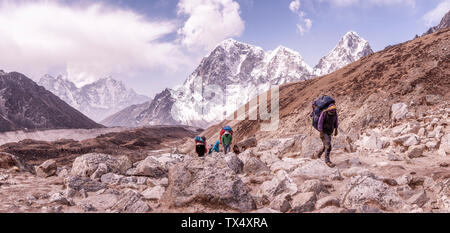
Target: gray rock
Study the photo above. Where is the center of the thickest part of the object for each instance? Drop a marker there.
(281, 203)
(311, 146)
(327, 201)
(111, 178)
(304, 202)
(101, 170)
(151, 167)
(415, 151)
(131, 202)
(77, 183)
(317, 169)
(244, 145)
(393, 157)
(100, 202)
(255, 166)
(399, 111)
(88, 207)
(46, 169)
(281, 183)
(407, 140)
(234, 163)
(364, 190)
(357, 171)
(153, 193)
(207, 180)
(60, 199)
(87, 164)
(431, 145)
(419, 199)
(315, 186)
(444, 149)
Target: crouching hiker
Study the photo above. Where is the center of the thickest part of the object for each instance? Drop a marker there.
(215, 148)
(200, 146)
(325, 120)
(226, 138)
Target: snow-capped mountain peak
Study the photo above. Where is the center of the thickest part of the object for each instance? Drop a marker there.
(230, 76)
(350, 48)
(97, 100)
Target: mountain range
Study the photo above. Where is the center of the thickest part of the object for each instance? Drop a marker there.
(96, 100)
(230, 76)
(26, 105)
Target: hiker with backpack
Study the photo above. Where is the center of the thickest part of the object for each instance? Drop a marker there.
(226, 138)
(214, 148)
(325, 120)
(200, 145)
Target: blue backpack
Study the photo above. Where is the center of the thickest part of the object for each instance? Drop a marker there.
(319, 105)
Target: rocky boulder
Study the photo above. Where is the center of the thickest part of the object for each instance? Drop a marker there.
(131, 202)
(304, 202)
(399, 111)
(9, 161)
(444, 148)
(244, 145)
(317, 169)
(254, 165)
(281, 183)
(151, 167)
(209, 181)
(234, 163)
(366, 190)
(88, 164)
(311, 146)
(407, 140)
(415, 151)
(78, 183)
(46, 169)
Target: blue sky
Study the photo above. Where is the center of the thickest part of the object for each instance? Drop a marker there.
(155, 44)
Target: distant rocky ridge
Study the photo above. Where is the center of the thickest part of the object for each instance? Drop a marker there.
(26, 105)
(239, 71)
(97, 100)
(445, 23)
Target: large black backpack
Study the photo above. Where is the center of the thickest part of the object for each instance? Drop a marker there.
(319, 105)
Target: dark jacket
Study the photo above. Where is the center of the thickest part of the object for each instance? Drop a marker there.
(328, 120)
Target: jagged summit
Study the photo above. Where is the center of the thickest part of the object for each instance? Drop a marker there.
(350, 48)
(445, 23)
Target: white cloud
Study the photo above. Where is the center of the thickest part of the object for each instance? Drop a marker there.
(294, 6)
(209, 22)
(344, 3)
(305, 23)
(434, 16)
(88, 42)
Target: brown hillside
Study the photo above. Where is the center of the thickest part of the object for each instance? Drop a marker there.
(364, 90)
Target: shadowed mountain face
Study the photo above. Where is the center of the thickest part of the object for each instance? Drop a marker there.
(364, 90)
(26, 105)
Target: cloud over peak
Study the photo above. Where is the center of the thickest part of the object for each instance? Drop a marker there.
(209, 22)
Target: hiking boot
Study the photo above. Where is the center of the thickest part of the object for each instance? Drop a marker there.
(330, 164)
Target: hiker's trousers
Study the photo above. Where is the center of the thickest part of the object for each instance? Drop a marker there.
(226, 148)
(326, 141)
